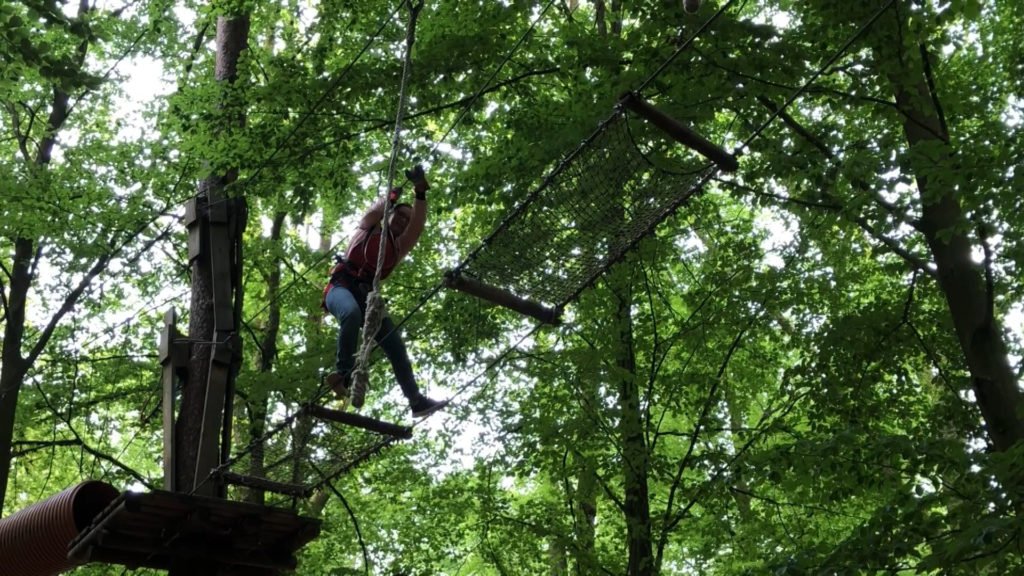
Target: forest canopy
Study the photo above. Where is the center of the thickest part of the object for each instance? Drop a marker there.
(812, 365)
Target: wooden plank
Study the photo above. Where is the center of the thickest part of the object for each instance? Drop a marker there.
(191, 212)
(209, 437)
(152, 529)
(195, 242)
(132, 547)
(169, 506)
(359, 421)
(167, 373)
(221, 275)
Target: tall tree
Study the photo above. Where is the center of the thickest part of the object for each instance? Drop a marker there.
(216, 253)
(47, 79)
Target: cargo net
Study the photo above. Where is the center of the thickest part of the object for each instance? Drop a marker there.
(589, 211)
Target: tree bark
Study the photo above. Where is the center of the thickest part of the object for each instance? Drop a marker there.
(232, 36)
(635, 457)
(257, 400)
(15, 366)
(946, 228)
(585, 507)
(12, 372)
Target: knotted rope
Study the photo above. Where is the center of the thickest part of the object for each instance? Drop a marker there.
(374, 302)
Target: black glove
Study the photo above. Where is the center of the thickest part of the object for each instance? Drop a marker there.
(419, 181)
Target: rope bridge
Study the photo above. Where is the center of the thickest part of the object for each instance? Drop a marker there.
(586, 214)
(589, 211)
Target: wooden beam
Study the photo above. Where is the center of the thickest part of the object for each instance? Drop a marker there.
(168, 368)
(208, 457)
(502, 297)
(359, 421)
(680, 133)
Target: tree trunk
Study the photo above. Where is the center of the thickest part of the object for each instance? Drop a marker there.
(557, 563)
(15, 366)
(635, 458)
(945, 227)
(232, 35)
(585, 506)
(268, 353)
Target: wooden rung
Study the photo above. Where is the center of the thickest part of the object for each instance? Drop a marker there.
(502, 297)
(681, 133)
(296, 490)
(359, 421)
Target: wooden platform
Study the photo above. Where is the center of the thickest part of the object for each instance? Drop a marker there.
(158, 529)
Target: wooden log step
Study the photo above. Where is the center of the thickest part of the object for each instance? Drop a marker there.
(682, 134)
(296, 490)
(359, 421)
(502, 297)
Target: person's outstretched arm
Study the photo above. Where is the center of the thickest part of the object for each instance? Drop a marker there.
(418, 221)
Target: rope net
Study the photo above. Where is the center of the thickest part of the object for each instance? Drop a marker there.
(588, 212)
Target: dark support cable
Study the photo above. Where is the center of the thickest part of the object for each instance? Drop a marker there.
(817, 74)
(351, 514)
(502, 297)
(295, 490)
(707, 23)
(362, 456)
(681, 133)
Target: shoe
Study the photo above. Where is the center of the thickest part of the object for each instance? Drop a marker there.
(424, 406)
(339, 384)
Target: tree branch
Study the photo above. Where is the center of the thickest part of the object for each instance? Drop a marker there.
(916, 261)
(3, 297)
(37, 445)
(685, 461)
(380, 124)
(827, 152)
(810, 90)
(19, 136)
(77, 441)
(98, 267)
(783, 503)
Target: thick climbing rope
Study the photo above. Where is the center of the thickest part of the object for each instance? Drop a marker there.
(374, 302)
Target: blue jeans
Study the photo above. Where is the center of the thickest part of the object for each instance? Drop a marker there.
(344, 306)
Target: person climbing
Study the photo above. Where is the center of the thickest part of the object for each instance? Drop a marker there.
(345, 295)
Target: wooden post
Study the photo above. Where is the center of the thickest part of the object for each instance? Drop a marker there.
(173, 355)
(680, 133)
(214, 417)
